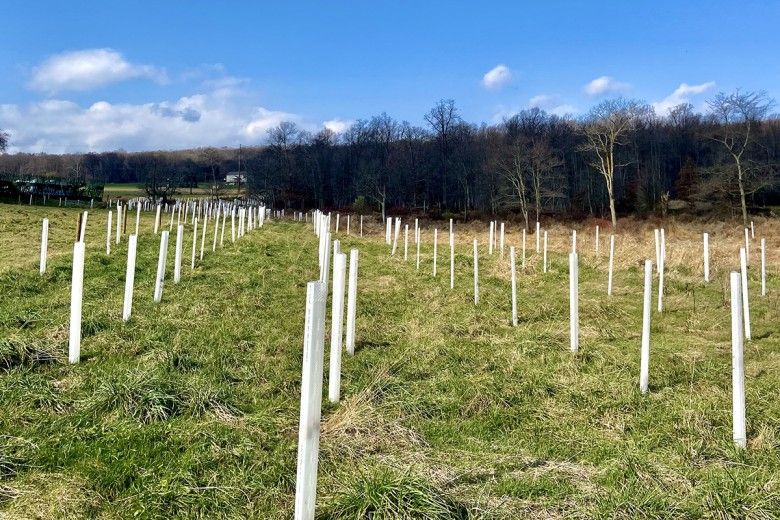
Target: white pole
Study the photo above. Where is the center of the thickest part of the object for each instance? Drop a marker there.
(311, 401)
(157, 220)
(361, 226)
(129, 277)
(387, 231)
(544, 257)
(611, 263)
(737, 364)
(338, 219)
(514, 285)
(452, 260)
(108, 232)
(657, 235)
(574, 321)
(161, 260)
(194, 243)
(418, 253)
(763, 267)
(747, 246)
(203, 236)
(337, 323)
(752, 230)
(118, 222)
(216, 231)
(45, 245)
(348, 221)
(476, 274)
(662, 259)
(491, 230)
(745, 302)
(416, 231)
(233, 225)
(352, 301)
(222, 233)
(644, 371)
(538, 238)
(76, 294)
(137, 217)
(523, 259)
(597, 239)
(177, 257)
(435, 248)
(406, 242)
(706, 257)
(501, 243)
(83, 226)
(395, 236)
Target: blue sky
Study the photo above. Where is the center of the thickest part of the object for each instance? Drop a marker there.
(81, 76)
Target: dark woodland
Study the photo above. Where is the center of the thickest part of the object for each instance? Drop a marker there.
(619, 159)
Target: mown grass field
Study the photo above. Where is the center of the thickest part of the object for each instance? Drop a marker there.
(190, 409)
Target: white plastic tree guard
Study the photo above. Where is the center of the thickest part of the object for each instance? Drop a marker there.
(127, 306)
(352, 301)
(76, 295)
(337, 324)
(514, 284)
(44, 246)
(737, 363)
(311, 401)
(161, 261)
(574, 308)
(644, 364)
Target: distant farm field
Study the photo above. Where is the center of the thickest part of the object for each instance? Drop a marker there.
(191, 408)
(132, 190)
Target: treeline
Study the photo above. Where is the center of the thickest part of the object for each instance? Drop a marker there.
(621, 156)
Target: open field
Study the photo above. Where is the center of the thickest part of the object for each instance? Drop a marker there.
(132, 190)
(191, 408)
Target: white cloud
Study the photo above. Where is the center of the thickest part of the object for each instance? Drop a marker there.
(337, 126)
(552, 103)
(497, 77)
(681, 94)
(88, 69)
(219, 117)
(605, 85)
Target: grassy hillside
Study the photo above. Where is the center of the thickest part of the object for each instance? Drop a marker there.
(191, 408)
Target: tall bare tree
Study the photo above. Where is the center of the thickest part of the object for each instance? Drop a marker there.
(738, 115)
(607, 127)
(442, 118)
(3, 141)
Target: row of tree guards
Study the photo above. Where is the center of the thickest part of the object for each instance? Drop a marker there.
(197, 213)
(247, 218)
(317, 292)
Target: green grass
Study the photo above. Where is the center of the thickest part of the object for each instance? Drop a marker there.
(190, 409)
(131, 190)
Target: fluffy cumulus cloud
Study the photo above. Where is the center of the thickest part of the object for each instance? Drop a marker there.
(88, 69)
(220, 116)
(497, 77)
(605, 85)
(682, 94)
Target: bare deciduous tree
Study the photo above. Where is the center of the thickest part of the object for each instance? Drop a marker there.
(442, 118)
(3, 141)
(737, 116)
(606, 127)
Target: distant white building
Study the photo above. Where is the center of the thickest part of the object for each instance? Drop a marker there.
(235, 178)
